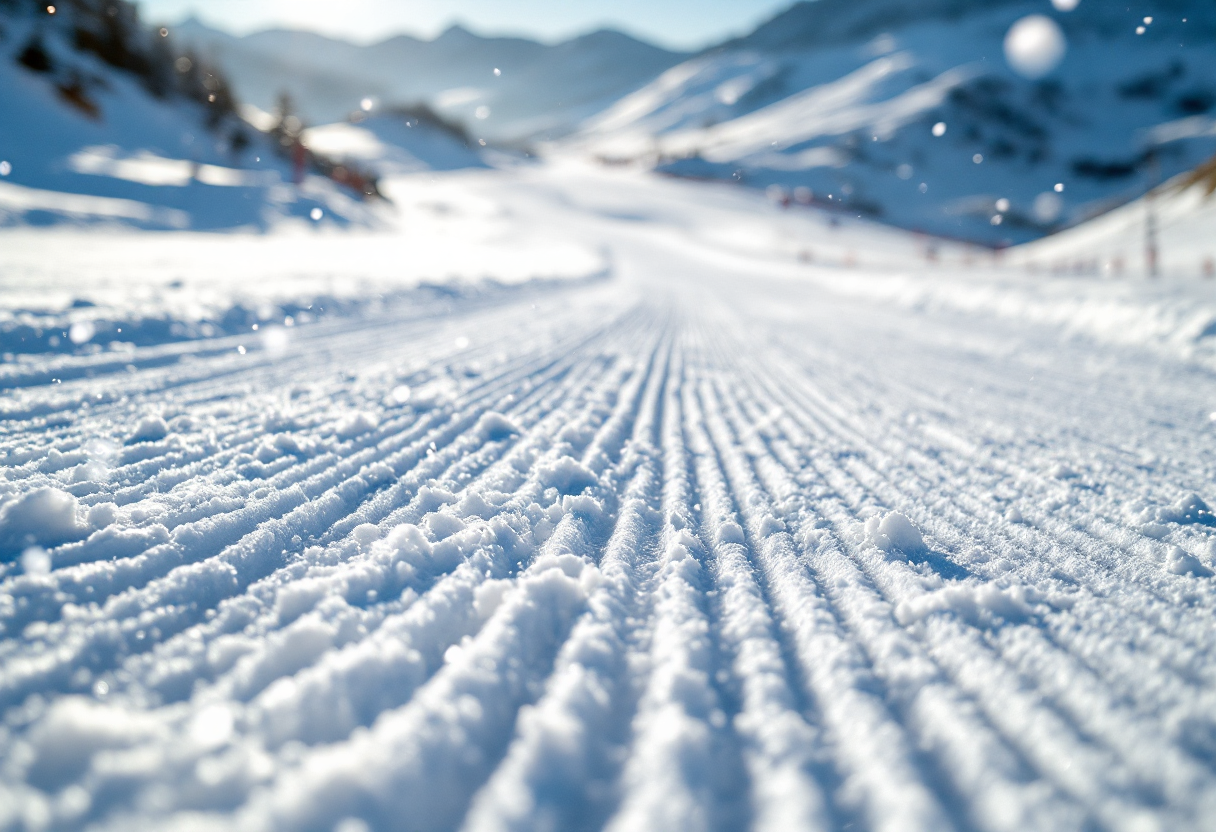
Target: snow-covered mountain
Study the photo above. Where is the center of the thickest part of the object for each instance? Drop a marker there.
(503, 88)
(912, 113)
(394, 142)
(100, 122)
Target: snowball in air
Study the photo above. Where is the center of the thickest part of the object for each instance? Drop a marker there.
(36, 561)
(1047, 207)
(275, 340)
(82, 332)
(1035, 46)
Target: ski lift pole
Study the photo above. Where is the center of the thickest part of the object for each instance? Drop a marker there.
(1152, 253)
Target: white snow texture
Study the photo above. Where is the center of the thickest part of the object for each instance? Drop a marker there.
(727, 541)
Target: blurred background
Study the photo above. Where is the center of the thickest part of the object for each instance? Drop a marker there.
(993, 122)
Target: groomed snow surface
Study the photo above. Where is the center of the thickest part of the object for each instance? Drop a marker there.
(769, 523)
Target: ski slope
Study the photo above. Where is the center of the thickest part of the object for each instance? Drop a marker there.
(756, 530)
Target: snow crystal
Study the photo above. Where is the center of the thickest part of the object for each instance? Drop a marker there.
(939, 129)
(895, 534)
(1065, 5)
(1035, 45)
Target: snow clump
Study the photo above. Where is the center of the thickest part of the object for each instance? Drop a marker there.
(494, 426)
(567, 475)
(1180, 562)
(151, 428)
(1189, 509)
(46, 517)
(1035, 46)
(895, 534)
(36, 561)
(982, 605)
(356, 424)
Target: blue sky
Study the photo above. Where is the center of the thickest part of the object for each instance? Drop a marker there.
(673, 23)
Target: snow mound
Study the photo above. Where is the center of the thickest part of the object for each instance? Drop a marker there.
(1180, 562)
(151, 428)
(1190, 509)
(895, 535)
(567, 475)
(356, 424)
(46, 516)
(494, 426)
(981, 605)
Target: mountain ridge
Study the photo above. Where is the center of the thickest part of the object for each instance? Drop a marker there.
(540, 89)
(837, 100)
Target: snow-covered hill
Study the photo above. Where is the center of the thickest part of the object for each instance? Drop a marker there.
(90, 133)
(393, 142)
(538, 89)
(1168, 231)
(842, 99)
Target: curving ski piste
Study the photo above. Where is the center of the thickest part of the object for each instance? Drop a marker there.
(722, 540)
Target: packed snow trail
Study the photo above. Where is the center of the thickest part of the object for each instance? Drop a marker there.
(721, 542)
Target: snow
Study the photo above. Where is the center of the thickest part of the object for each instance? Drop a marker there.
(142, 161)
(1035, 45)
(504, 88)
(577, 497)
(852, 101)
(895, 534)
